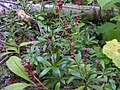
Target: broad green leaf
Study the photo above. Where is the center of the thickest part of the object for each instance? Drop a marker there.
(63, 81)
(32, 61)
(43, 61)
(78, 57)
(56, 70)
(57, 86)
(112, 50)
(112, 84)
(102, 3)
(88, 88)
(27, 43)
(12, 48)
(14, 64)
(6, 53)
(111, 4)
(116, 18)
(92, 77)
(89, 1)
(81, 25)
(61, 62)
(44, 48)
(108, 87)
(11, 41)
(45, 71)
(46, 27)
(118, 87)
(110, 31)
(75, 73)
(80, 88)
(105, 4)
(103, 64)
(40, 18)
(96, 87)
(17, 86)
(70, 80)
(99, 79)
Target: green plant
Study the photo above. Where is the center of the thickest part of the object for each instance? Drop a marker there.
(14, 64)
(13, 48)
(66, 56)
(107, 4)
(109, 31)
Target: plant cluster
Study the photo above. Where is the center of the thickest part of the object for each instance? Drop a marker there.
(66, 56)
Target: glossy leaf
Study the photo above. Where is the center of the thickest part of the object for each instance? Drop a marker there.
(102, 3)
(45, 71)
(81, 25)
(43, 61)
(89, 1)
(112, 84)
(70, 79)
(27, 43)
(116, 18)
(57, 86)
(17, 86)
(103, 64)
(92, 77)
(96, 87)
(56, 70)
(14, 64)
(78, 57)
(40, 18)
(110, 31)
(11, 41)
(75, 73)
(80, 88)
(6, 53)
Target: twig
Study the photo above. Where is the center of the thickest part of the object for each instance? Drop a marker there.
(3, 42)
(4, 59)
(40, 82)
(41, 7)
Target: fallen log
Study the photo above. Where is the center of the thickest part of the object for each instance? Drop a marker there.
(36, 7)
(92, 11)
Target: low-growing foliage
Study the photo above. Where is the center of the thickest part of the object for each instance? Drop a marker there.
(67, 55)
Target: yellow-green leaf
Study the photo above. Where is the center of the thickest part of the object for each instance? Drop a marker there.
(112, 50)
(6, 53)
(17, 86)
(27, 43)
(11, 41)
(14, 64)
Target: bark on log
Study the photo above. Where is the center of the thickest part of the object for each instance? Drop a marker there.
(36, 7)
(5, 7)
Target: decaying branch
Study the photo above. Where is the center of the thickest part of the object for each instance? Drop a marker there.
(27, 18)
(37, 7)
(21, 13)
